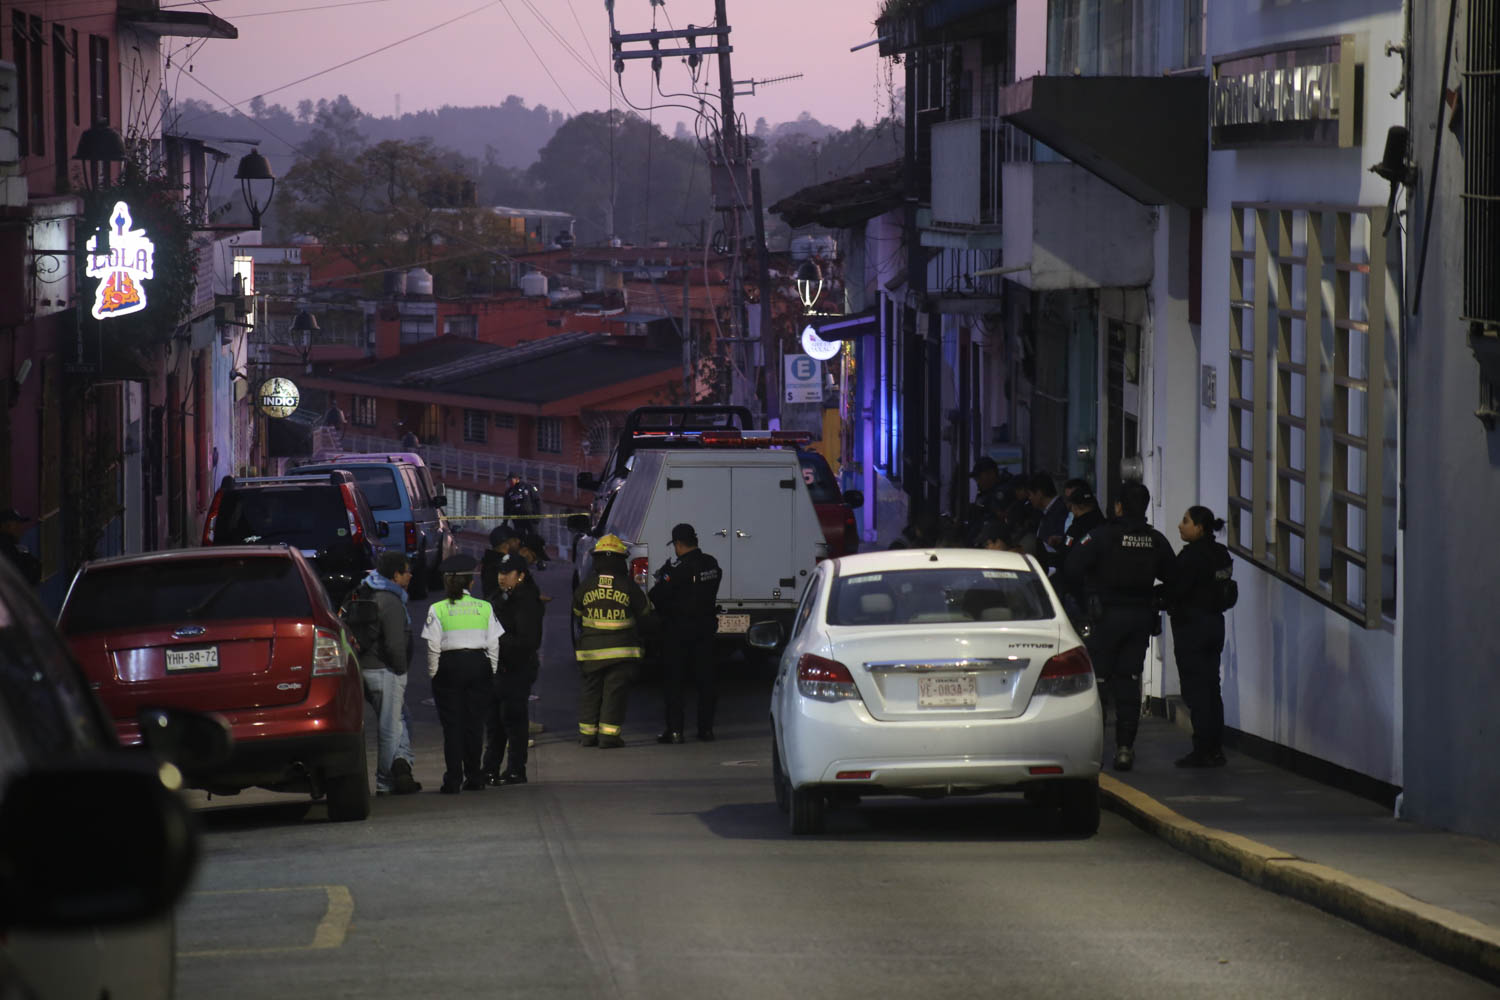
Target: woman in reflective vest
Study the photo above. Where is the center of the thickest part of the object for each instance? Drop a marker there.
(463, 649)
(609, 606)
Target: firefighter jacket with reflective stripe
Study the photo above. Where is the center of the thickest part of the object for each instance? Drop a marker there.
(610, 607)
(465, 624)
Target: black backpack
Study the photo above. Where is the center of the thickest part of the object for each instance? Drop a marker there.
(361, 616)
(1226, 594)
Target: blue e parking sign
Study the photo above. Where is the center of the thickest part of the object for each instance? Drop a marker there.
(802, 381)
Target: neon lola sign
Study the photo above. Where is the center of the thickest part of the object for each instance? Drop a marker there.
(124, 269)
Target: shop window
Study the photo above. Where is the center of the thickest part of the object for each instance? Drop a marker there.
(476, 426)
(363, 411)
(1312, 403)
(549, 435)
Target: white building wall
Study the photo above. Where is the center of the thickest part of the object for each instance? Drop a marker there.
(1295, 671)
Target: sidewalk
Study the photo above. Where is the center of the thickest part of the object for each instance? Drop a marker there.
(1437, 892)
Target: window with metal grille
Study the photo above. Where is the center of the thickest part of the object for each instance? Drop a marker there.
(505, 421)
(549, 434)
(476, 426)
(1481, 146)
(363, 411)
(461, 326)
(1312, 402)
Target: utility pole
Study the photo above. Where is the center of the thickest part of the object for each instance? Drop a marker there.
(770, 370)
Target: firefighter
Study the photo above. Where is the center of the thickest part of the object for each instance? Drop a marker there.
(1117, 566)
(463, 639)
(686, 595)
(610, 607)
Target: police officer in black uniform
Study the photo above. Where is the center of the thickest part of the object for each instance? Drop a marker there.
(518, 606)
(1195, 602)
(1117, 566)
(686, 596)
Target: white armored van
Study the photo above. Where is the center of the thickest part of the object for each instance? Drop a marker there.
(752, 512)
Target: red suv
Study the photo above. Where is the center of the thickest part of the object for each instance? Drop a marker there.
(245, 631)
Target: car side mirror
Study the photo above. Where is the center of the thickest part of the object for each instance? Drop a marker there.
(383, 529)
(764, 635)
(578, 523)
(854, 498)
(441, 500)
(54, 874)
(195, 742)
(586, 481)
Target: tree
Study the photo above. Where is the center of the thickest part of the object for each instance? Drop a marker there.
(395, 205)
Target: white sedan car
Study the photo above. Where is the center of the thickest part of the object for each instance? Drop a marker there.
(933, 672)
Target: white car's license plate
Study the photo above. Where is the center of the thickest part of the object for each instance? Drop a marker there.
(947, 691)
(733, 624)
(197, 658)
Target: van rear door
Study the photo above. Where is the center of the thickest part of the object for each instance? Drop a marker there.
(762, 533)
(699, 495)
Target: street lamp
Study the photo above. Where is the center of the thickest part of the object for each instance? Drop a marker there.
(255, 167)
(809, 284)
(306, 324)
(98, 148)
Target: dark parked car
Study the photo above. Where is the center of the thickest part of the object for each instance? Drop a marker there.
(244, 631)
(324, 516)
(82, 916)
(403, 498)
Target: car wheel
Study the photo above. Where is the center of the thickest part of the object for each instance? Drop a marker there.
(1078, 807)
(808, 810)
(349, 794)
(779, 780)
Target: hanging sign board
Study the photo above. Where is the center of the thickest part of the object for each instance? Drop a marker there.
(123, 271)
(802, 379)
(823, 350)
(278, 397)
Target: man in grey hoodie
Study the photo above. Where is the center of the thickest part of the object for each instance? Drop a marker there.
(383, 668)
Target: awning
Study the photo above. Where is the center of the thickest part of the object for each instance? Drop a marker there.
(179, 23)
(847, 327)
(1146, 135)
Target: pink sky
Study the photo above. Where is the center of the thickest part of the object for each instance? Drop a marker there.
(482, 58)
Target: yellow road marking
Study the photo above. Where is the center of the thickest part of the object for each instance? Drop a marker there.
(330, 932)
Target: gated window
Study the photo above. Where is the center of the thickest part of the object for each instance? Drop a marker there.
(476, 426)
(549, 434)
(363, 411)
(1312, 402)
(1481, 197)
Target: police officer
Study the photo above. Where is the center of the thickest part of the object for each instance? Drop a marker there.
(1195, 602)
(1117, 566)
(463, 637)
(518, 606)
(989, 495)
(686, 594)
(610, 607)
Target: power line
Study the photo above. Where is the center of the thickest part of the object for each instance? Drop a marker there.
(299, 10)
(540, 61)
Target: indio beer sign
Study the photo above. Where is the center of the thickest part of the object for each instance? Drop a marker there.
(278, 397)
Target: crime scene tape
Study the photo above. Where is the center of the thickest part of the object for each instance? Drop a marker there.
(508, 517)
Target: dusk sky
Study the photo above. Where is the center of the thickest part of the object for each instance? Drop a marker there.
(484, 56)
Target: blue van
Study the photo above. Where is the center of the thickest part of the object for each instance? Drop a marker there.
(401, 494)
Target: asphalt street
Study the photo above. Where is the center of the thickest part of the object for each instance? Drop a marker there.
(656, 871)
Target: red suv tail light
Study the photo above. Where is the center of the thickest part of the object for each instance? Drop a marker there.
(824, 679)
(328, 653)
(411, 536)
(213, 517)
(1067, 673)
(640, 570)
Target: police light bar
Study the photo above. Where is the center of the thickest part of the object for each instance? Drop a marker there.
(724, 438)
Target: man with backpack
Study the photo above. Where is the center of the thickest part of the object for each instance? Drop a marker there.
(380, 629)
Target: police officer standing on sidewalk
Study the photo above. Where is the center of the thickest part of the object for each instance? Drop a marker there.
(610, 607)
(463, 639)
(518, 606)
(686, 594)
(1196, 601)
(1117, 566)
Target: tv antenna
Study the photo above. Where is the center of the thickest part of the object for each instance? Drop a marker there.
(752, 84)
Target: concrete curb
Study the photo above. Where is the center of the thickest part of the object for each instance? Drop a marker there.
(1449, 937)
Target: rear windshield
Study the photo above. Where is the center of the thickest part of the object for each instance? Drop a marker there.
(309, 517)
(952, 594)
(186, 590)
(377, 482)
(819, 478)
